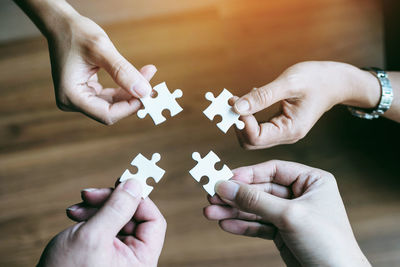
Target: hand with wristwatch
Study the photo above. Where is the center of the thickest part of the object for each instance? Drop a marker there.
(306, 91)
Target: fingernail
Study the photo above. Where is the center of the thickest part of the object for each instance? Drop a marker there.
(73, 208)
(132, 187)
(89, 189)
(141, 89)
(227, 189)
(242, 105)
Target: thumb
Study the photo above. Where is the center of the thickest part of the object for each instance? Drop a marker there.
(117, 211)
(260, 98)
(125, 74)
(252, 200)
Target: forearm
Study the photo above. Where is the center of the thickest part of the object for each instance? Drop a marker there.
(48, 15)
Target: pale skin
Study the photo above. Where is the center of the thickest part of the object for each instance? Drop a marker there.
(296, 206)
(305, 92)
(78, 49)
(102, 240)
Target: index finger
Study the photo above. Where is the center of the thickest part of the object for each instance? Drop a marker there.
(275, 171)
(256, 136)
(103, 111)
(151, 221)
(151, 226)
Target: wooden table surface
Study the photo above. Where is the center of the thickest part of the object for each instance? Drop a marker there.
(47, 156)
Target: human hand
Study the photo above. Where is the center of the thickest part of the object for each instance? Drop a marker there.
(77, 54)
(305, 91)
(298, 207)
(99, 240)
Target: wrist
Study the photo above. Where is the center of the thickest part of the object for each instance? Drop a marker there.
(363, 90)
(50, 16)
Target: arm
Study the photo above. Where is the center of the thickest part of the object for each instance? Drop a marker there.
(78, 49)
(306, 91)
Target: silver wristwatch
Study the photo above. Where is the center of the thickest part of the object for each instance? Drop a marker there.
(385, 101)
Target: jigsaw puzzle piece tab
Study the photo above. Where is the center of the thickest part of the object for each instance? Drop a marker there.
(221, 107)
(146, 169)
(206, 167)
(146, 189)
(154, 106)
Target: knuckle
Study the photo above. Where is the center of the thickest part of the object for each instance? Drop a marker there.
(108, 121)
(263, 95)
(249, 198)
(256, 141)
(294, 77)
(119, 69)
(329, 177)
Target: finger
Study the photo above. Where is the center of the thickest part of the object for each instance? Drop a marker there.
(114, 95)
(261, 98)
(217, 213)
(98, 108)
(263, 177)
(150, 228)
(279, 130)
(252, 200)
(274, 189)
(215, 200)
(117, 211)
(252, 229)
(124, 73)
(267, 187)
(280, 172)
(148, 72)
(80, 212)
(251, 125)
(93, 82)
(152, 222)
(95, 197)
(129, 228)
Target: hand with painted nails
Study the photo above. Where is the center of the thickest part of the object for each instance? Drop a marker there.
(296, 206)
(305, 92)
(117, 228)
(79, 48)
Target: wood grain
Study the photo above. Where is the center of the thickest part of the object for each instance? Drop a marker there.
(47, 156)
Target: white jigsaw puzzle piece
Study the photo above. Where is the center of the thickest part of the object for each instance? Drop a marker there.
(220, 106)
(146, 169)
(164, 100)
(206, 167)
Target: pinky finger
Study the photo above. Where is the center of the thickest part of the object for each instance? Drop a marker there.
(252, 229)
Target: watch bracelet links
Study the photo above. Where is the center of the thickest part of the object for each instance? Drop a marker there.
(385, 100)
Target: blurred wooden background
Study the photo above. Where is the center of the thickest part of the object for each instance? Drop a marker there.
(47, 156)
